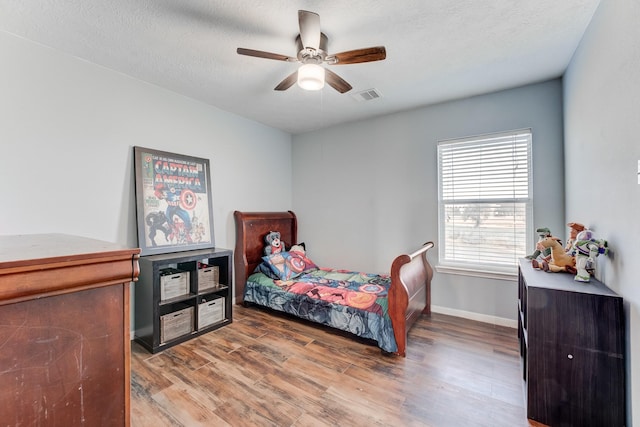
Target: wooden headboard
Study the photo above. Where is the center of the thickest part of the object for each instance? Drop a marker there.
(251, 228)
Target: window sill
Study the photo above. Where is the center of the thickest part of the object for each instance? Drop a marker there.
(476, 273)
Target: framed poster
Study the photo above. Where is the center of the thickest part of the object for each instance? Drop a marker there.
(174, 202)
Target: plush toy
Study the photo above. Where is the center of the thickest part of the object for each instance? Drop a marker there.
(274, 244)
(587, 248)
(560, 260)
(542, 233)
(574, 229)
(300, 247)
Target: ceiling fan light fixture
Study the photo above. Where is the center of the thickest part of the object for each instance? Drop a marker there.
(311, 77)
(311, 46)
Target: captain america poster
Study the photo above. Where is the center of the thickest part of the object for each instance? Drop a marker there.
(174, 206)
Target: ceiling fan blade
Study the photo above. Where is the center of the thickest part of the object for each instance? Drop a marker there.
(368, 54)
(267, 55)
(336, 82)
(287, 82)
(309, 29)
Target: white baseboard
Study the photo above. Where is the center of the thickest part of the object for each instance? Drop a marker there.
(494, 320)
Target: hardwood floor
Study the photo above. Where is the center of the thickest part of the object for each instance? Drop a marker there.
(269, 370)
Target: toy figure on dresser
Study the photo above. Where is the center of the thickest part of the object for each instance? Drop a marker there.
(560, 260)
(574, 229)
(586, 249)
(546, 256)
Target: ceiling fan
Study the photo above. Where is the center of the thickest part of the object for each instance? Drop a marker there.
(312, 51)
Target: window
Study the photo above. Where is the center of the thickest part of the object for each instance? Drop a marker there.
(485, 206)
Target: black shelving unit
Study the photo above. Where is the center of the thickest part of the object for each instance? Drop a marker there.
(160, 324)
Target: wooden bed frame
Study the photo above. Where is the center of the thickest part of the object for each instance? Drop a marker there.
(410, 292)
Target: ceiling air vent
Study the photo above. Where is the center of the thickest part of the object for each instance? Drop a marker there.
(367, 95)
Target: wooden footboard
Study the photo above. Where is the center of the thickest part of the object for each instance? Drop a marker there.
(410, 292)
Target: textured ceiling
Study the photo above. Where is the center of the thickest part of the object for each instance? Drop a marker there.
(437, 50)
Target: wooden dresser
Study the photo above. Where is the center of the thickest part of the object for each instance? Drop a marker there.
(64, 331)
(572, 343)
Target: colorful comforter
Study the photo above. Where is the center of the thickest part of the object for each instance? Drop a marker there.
(345, 300)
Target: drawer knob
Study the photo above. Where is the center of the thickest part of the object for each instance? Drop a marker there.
(570, 356)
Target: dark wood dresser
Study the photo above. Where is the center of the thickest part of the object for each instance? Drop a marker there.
(572, 343)
(64, 331)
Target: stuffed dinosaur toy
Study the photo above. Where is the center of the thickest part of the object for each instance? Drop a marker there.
(542, 233)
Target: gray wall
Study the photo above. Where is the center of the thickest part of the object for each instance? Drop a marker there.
(67, 128)
(379, 177)
(602, 128)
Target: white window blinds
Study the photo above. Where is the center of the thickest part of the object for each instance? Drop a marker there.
(485, 203)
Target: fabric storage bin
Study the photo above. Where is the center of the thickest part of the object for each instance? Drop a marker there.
(176, 324)
(173, 283)
(208, 277)
(211, 311)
